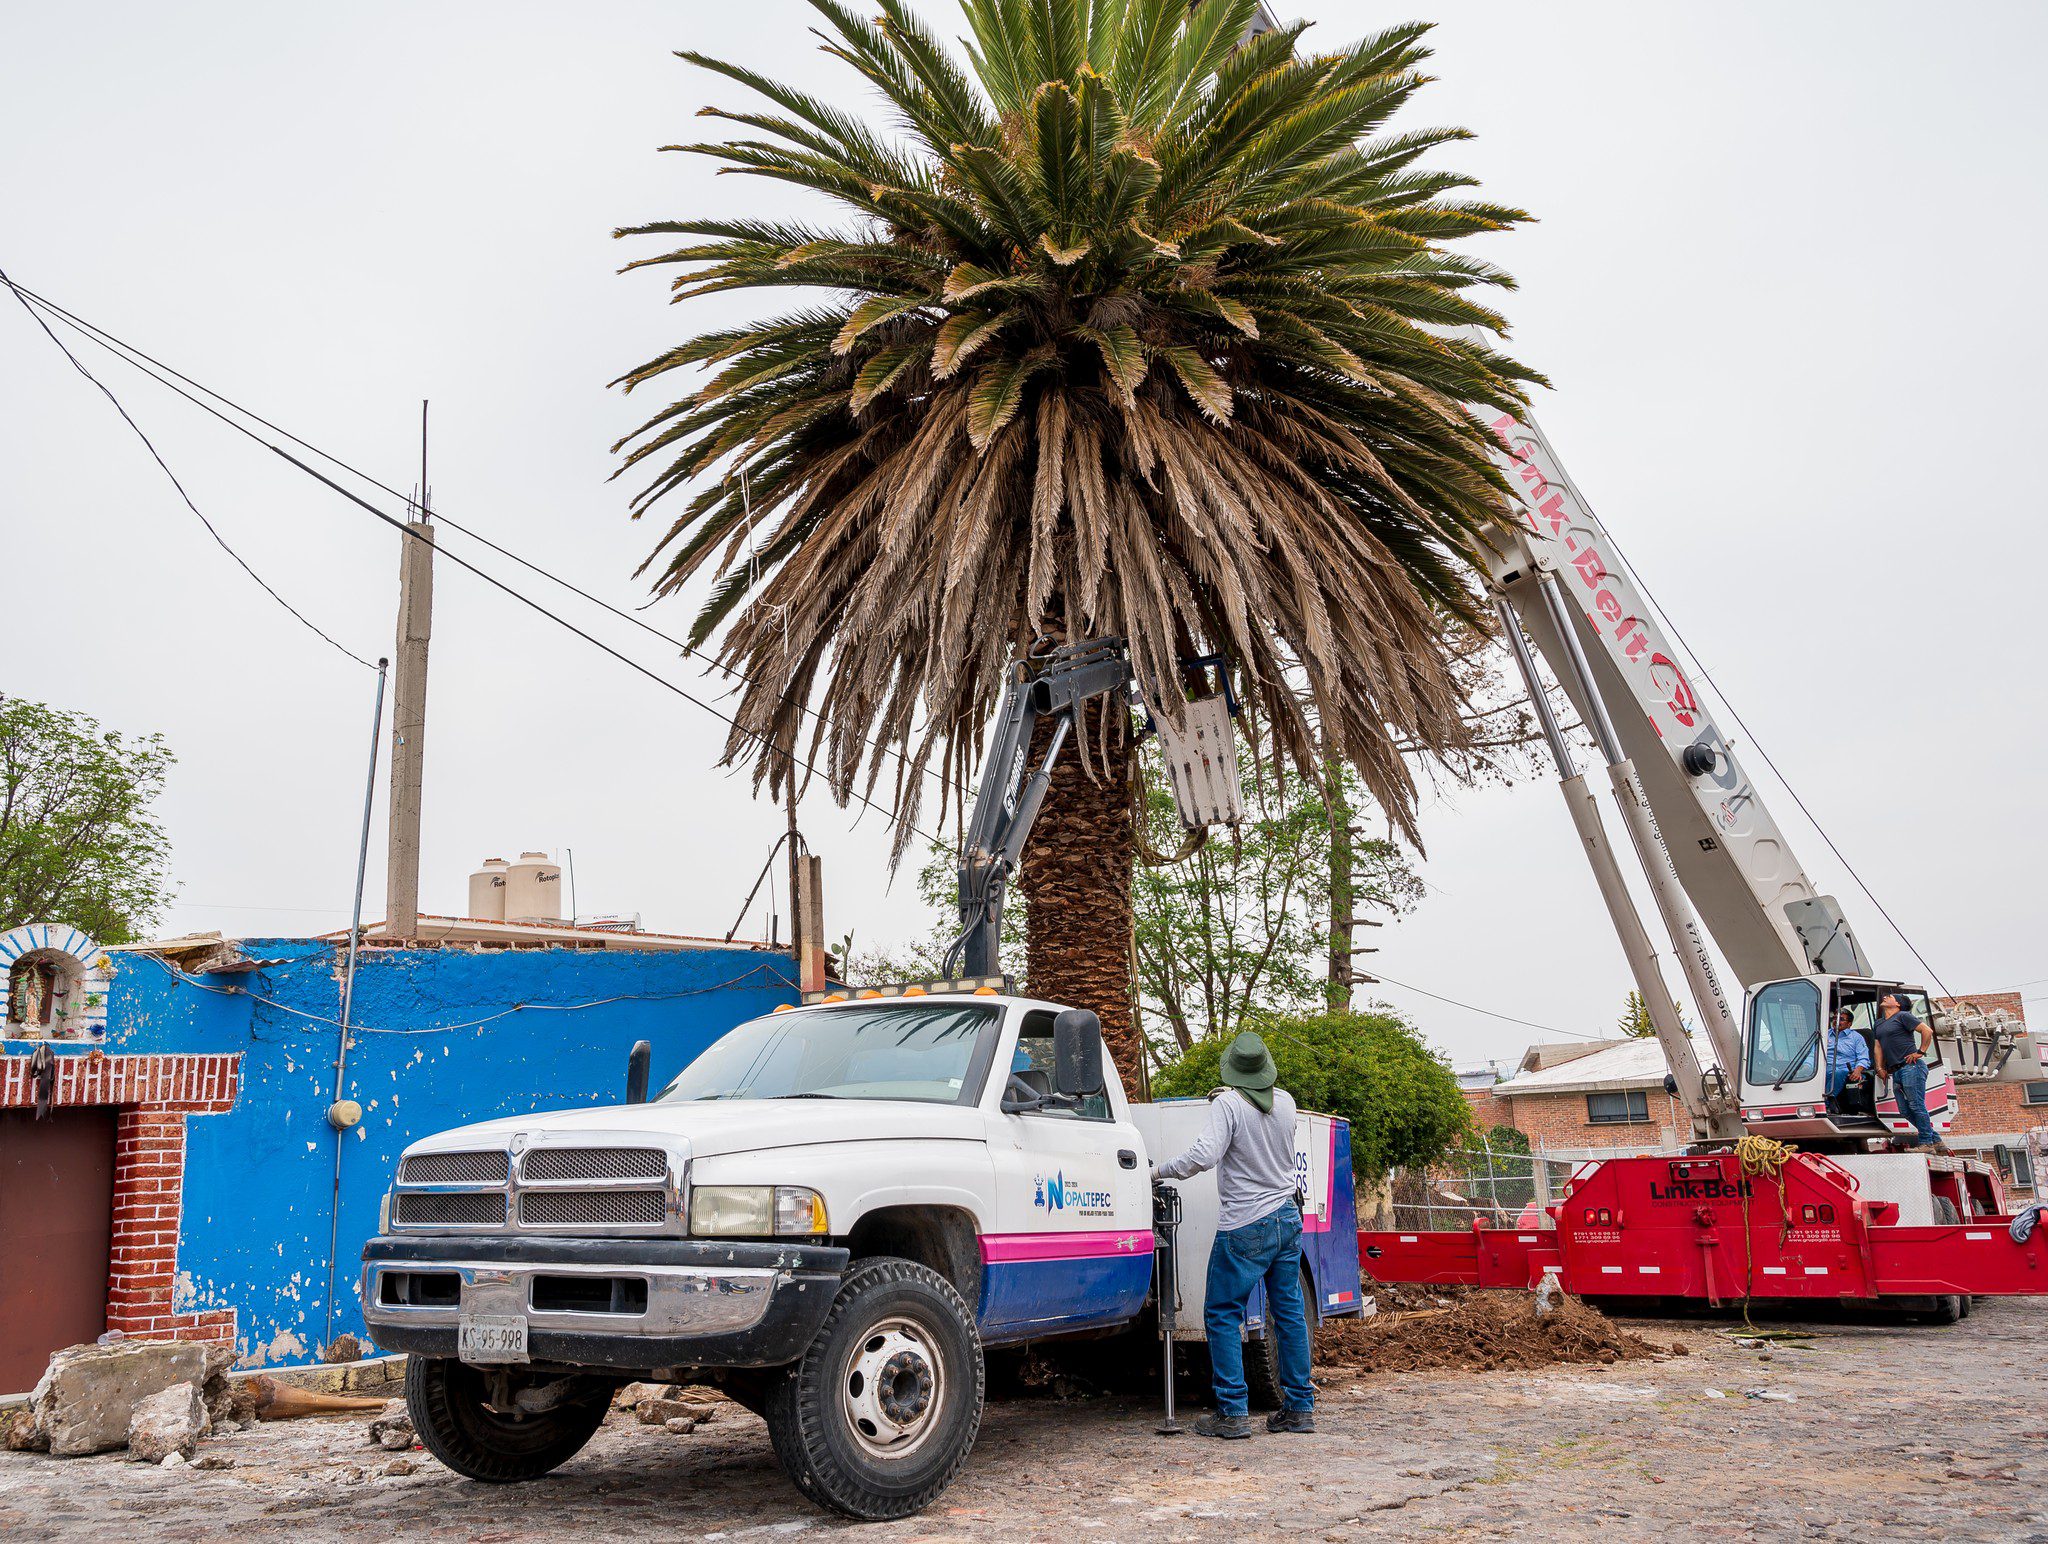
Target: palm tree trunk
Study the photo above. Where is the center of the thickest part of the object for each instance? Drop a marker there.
(1077, 884)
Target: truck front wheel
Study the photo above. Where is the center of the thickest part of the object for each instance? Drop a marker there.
(880, 1412)
(451, 1408)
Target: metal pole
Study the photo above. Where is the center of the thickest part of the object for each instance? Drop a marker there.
(348, 998)
(1636, 947)
(1674, 906)
(796, 863)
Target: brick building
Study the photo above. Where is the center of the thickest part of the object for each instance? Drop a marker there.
(1590, 1097)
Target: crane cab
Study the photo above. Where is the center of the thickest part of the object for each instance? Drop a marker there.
(1784, 1074)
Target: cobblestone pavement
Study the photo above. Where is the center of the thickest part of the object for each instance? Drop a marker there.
(1880, 1430)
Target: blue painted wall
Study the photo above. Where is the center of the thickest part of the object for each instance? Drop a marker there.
(259, 1179)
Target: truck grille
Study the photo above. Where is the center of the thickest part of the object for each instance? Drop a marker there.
(595, 1163)
(592, 1208)
(481, 1208)
(454, 1169)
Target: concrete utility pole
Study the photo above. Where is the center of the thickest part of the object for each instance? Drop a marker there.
(409, 713)
(810, 925)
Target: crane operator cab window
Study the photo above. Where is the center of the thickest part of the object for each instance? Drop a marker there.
(1032, 1066)
(1784, 1035)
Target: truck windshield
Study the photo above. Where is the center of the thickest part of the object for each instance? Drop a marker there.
(889, 1050)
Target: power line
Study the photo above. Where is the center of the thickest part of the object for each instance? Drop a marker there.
(164, 466)
(404, 528)
(142, 361)
(1576, 1034)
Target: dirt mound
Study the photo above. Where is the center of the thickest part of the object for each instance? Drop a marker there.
(1393, 1295)
(1482, 1332)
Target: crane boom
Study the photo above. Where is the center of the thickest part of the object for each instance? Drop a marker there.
(1729, 854)
(1716, 862)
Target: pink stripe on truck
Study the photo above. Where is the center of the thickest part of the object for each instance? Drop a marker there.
(1001, 1248)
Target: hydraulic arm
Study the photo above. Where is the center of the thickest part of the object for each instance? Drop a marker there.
(1056, 685)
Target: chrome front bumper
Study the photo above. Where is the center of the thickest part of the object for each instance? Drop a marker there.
(677, 1302)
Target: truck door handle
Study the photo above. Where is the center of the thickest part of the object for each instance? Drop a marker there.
(1126, 1159)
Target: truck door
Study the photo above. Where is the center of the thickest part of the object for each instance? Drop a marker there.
(1072, 1248)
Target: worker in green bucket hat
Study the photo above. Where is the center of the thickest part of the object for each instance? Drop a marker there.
(1249, 1142)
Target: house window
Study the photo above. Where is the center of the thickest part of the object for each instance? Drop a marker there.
(2034, 1093)
(1618, 1109)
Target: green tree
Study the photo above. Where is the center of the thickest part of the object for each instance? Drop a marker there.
(1635, 1021)
(1371, 1068)
(1131, 323)
(1230, 929)
(1238, 926)
(1494, 1168)
(79, 841)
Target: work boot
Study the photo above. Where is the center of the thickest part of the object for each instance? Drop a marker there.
(1217, 1424)
(1301, 1421)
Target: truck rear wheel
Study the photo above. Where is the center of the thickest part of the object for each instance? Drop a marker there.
(449, 1404)
(881, 1411)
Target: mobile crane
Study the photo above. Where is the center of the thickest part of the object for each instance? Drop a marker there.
(1850, 1215)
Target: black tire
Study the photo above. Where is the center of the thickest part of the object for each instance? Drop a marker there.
(1262, 1356)
(1952, 1308)
(446, 1401)
(828, 1417)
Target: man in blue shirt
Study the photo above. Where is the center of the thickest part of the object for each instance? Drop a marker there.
(1848, 1057)
(1902, 1046)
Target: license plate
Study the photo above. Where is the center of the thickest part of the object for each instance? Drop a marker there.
(484, 1338)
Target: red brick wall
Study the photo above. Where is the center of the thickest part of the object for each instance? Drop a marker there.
(1559, 1121)
(154, 1095)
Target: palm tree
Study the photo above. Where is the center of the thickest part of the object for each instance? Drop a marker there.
(1136, 324)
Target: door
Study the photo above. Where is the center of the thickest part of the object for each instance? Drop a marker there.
(56, 1215)
(1073, 1243)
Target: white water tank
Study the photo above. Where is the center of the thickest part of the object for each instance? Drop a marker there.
(487, 890)
(533, 889)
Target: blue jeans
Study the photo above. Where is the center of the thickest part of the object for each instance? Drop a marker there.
(1268, 1250)
(1909, 1085)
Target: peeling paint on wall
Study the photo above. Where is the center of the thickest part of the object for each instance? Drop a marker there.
(258, 1191)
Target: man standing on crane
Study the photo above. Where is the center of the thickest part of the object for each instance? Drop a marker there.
(1902, 1046)
(1249, 1142)
(1848, 1057)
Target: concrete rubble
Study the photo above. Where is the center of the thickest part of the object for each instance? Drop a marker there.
(392, 1430)
(170, 1421)
(88, 1394)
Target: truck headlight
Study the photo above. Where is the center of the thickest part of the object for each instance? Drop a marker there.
(384, 1213)
(755, 1211)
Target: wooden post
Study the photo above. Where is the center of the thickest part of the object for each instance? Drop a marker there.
(409, 730)
(810, 925)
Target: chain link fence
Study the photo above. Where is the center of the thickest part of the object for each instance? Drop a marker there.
(1504, 1189)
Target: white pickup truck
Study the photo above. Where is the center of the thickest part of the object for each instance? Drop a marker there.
(829, 1214)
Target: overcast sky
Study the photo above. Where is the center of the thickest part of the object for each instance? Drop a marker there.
(1784, 282)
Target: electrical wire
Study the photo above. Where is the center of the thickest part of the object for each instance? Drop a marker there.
(164, 466)
(1576, 1034)
(149, 364)
(406, 529)
(185, 978)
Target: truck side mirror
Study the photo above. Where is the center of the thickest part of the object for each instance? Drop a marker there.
(1077, 1053)
(639, 1061)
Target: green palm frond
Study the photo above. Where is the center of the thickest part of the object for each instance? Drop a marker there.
(1133, 323)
